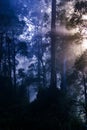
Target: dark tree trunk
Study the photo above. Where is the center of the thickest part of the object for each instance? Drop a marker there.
(63, 76)
(85, 94)
(53, 42)
(1, 42)
(9, 56)
(4, 57)
(14, 64)
(39, 61)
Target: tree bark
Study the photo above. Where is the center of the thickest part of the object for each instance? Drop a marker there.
(14, 63)
(53, 42)
(9, 55)
(85, 94)
(1, 42)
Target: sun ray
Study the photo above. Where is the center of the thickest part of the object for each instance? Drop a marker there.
(84, 44)
(84, 17)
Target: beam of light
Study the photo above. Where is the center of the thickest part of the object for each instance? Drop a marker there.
(62, 30)
(84, 44)
(64, 73)
(84, 17)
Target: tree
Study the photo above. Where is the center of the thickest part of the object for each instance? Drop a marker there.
(53, 42)
(80, 65)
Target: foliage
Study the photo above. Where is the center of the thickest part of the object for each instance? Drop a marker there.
(81, 62)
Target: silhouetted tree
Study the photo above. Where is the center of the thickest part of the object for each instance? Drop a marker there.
(53, 42)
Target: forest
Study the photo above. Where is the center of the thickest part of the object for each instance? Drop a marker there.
(43, 65)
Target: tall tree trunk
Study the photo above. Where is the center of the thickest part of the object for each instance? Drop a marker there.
(1, 42)
(14, 64)
(53, 42)
(39, 65)
(63, 76)
(9, 56)
(85, 94)
(4, 57)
